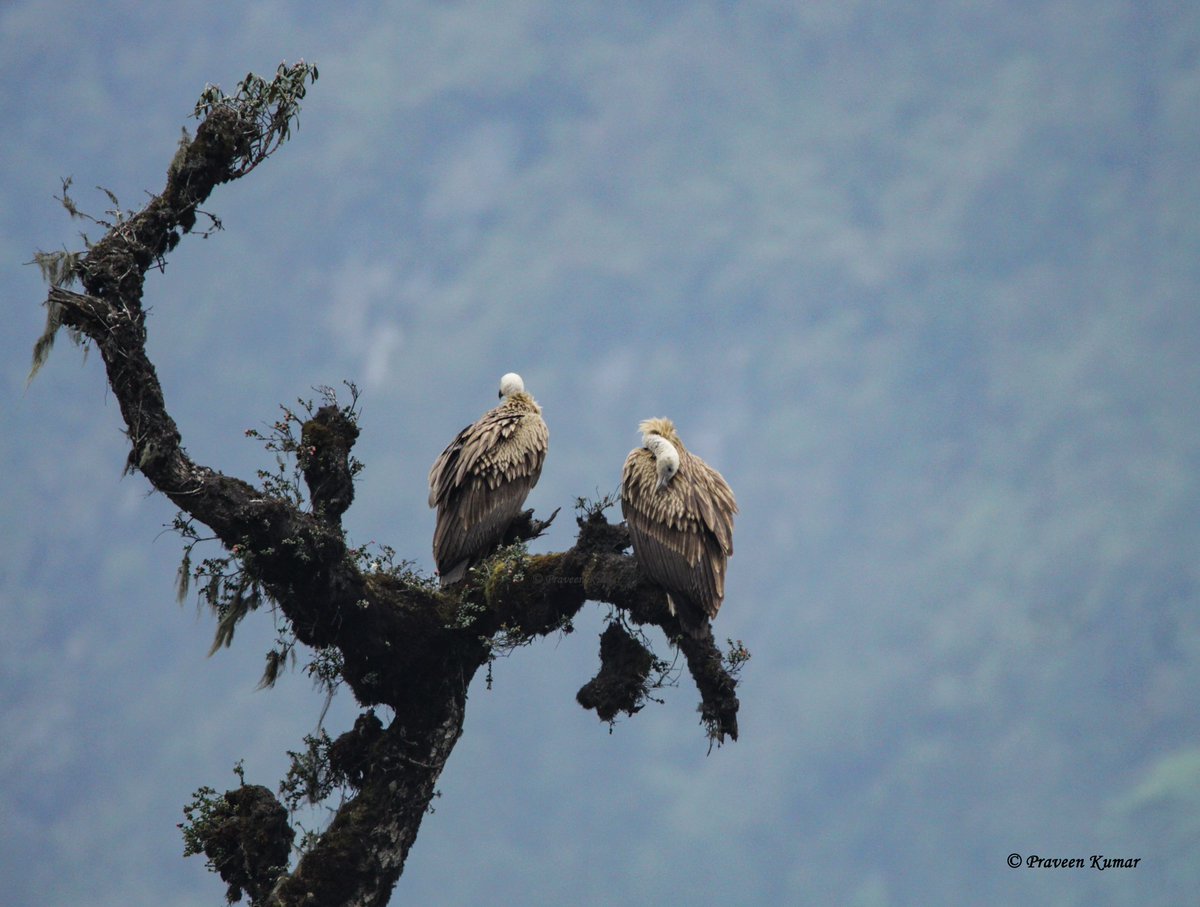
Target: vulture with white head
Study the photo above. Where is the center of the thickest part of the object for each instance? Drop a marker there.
(679, 511)
(481, 480)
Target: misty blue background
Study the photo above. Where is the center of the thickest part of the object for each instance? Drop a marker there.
(919, 279)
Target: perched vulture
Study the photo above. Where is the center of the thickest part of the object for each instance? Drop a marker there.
(680, 516)
(482, 478)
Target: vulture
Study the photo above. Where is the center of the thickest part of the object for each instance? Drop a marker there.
(482, 478)
(679, 511)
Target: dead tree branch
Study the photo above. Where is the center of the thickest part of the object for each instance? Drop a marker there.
(405, 645)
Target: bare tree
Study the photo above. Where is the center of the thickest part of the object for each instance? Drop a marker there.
(390, 635)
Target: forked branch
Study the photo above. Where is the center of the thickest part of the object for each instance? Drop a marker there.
(401, 643)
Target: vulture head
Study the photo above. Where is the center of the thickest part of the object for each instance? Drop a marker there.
(666, 459)
(511, 384)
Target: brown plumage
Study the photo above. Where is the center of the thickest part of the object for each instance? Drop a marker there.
(481, 480)
(680, 516)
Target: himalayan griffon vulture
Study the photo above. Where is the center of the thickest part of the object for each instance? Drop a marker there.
(481, 480)
(679, 511)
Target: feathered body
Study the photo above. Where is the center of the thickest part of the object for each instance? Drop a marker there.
(679, 511)
(481, 480)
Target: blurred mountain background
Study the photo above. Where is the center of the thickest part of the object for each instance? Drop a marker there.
(921, 280)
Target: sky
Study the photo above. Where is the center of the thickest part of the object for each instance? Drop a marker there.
(919, 279)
